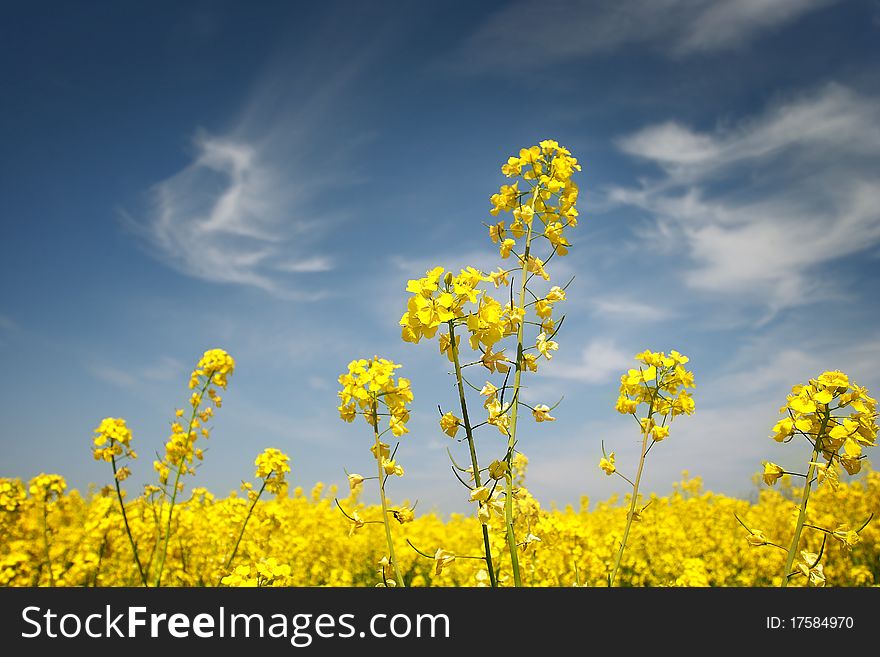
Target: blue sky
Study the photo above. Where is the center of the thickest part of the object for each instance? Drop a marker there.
(266, 177)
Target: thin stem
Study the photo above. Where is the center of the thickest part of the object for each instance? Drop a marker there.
(382, 495)
(243, 526)
(134, 551)
(46, 541)
(632, 509)
(180, 468)
(802, 513)
(511, 435)
(473, 450)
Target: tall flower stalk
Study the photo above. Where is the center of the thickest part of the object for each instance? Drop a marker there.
(545, 208)
(659, 385)
(46, 488)
(838, 419)
(367, 387)
(112, 443)
(211, 372)
(272, 466)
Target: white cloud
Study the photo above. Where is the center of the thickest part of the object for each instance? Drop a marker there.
(722, 25)
(832, 120)
(308, 265)
(560, 30)
(112, 375)
(627, 310)
(162, 369)
(759, 207)
(601, 361)
(245, 209)
(770, 366)
(226, 217)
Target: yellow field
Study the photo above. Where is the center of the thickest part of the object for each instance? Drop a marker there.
(690, 538)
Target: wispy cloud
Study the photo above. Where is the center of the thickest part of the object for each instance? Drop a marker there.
(112, 375)
(560, 30)
(308, 265)
(221, 218)
(250, 208)
(601, 361)
(629, 310)
(759, 207)
(162, 369)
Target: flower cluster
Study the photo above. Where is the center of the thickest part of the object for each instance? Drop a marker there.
(547, 169)
(660, 384)
(365, 386)
(12, 494)
(46, 487)
(272, 465)
(458, 302)
(112, 442)
(267, 572)
(213, 369)
(838, 419)
(655, 393)
(369, 383)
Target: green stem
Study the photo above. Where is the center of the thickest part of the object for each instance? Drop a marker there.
(802, 513)
(46, 543)
(125, 521)
(180, 468)
(470, 439)
(243, 526)
(511, 435)
(632, 509)
(382, 496)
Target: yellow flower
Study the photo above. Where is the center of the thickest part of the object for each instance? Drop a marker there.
(446, 346)
(391, 467)
(499, 277)
(495, 361)
(835, 379)
(496, 232)
(772, 472)
(356, 523)
(404, 515)
(607, 464)
(658, 432)
(355, 481)
(811, 569)
(496, 418)
(442, 558)
(506, 247)
(47, 486)
(449, 424)
(489, 391)
(545, 346)
(480, 494)
(847, 536)
(542, 413)
(536, 266)
(215, 366)
(497, 469)
(272, 465)
(783, 429)
(398, 428)
(347, 412)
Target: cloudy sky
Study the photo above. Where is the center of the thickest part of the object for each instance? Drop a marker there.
(265, 177)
